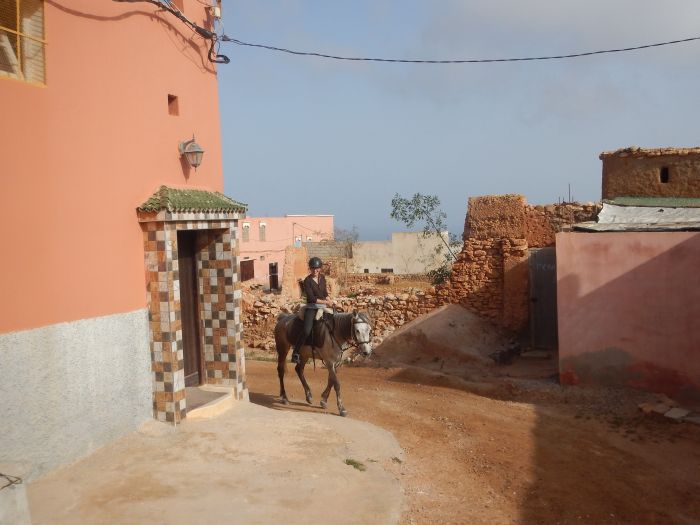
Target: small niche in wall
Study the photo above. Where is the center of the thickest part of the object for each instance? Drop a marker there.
(173, 105)
(663, 175)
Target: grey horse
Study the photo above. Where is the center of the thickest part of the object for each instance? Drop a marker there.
(329, 334)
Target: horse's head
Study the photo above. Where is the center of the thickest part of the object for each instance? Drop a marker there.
(362, 333)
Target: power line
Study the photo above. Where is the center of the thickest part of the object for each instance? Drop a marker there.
(225, 38)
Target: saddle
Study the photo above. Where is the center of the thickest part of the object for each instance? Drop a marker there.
(319, 312)
(323, 322)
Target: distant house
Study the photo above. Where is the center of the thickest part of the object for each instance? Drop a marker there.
(404, 253)
(628, 286)
(120, 268)
(266, 240)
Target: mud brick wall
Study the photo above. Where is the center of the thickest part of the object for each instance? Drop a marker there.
(637, 172)
(491, 274)
(543, 222)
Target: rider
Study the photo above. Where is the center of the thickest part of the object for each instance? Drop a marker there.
(316, 297)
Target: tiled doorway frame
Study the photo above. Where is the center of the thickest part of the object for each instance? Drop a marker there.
(219, 299)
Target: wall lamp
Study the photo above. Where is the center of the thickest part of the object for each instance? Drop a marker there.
(192, 151)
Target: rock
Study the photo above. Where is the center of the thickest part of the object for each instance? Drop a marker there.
(647, 408)
(677, 414)
(692, 419)
(660, 408)
(663, 398)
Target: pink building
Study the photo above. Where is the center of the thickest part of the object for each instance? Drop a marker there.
(265, 241)
(628, 308)
(119, 274)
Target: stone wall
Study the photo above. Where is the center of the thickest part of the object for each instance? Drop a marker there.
(491, 274)
(387, 311)
(640, 172)
(385, 278)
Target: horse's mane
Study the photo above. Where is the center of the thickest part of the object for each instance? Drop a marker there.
(344, 322)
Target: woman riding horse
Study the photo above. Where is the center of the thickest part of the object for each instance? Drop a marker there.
(316, 298)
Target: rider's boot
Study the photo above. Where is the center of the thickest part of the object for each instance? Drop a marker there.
(295, 350)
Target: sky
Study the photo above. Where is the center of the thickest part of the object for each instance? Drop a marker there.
(304, 135)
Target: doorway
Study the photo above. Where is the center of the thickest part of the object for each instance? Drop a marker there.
(274, 276)
(543, 298)
(247, 270)
(189, 307)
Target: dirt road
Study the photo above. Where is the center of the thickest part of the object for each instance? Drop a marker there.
(492, 454)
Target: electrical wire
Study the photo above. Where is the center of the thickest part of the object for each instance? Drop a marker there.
(212, 37)
(225, 38)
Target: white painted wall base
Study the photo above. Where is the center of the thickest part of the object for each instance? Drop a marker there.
(14, 509)
(69, 388)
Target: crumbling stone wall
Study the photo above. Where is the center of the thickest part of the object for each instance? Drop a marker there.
(491, 274)
(388, 312)
(640, 172)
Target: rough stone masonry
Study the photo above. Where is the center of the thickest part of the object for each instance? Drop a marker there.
(490, 276)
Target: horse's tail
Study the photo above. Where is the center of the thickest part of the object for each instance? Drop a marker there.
(281, 343)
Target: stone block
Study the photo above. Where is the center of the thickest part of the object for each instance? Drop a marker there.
(677, 414)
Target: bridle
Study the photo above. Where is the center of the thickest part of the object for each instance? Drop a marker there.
(354, 337)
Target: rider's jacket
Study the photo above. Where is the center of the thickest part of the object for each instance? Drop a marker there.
(315, 290)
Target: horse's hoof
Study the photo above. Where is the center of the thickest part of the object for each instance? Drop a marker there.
(285, 401)
(309, 400)
(343, 413)
(324, 404)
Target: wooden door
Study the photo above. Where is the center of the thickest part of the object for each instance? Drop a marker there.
(247, 270)
(274, 277)
(189, 307)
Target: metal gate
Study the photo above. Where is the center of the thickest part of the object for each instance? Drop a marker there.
(543, 298)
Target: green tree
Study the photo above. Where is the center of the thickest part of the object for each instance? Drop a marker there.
(425, 210)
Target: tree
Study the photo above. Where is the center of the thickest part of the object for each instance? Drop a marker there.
(422, 209)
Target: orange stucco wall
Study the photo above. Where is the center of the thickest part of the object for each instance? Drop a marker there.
(83, 151)
(628, 309)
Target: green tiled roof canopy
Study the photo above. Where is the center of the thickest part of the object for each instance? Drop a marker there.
(178, 200)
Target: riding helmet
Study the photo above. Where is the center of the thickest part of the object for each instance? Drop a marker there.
(315, 262)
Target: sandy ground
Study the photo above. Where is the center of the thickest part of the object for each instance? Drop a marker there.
(249, 465)
(514, 450)
(431, 417)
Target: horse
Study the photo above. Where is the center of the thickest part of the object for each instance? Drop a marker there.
(328, 335)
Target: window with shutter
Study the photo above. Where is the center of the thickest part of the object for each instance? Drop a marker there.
(22, 44)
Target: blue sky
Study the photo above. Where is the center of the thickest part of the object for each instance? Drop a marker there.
(312, 135)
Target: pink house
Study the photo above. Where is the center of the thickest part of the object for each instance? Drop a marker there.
(264, 242)
(119, 274)
(629, 304)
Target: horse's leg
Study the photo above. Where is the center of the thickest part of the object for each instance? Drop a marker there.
(333, 375)
(327, 391)
(282, 349)
(300, 372)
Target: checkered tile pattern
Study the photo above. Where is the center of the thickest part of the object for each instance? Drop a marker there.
(219, 304)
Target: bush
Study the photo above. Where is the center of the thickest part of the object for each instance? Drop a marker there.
(441, 274)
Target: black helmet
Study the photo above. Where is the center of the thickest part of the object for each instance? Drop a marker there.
(315, 262)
